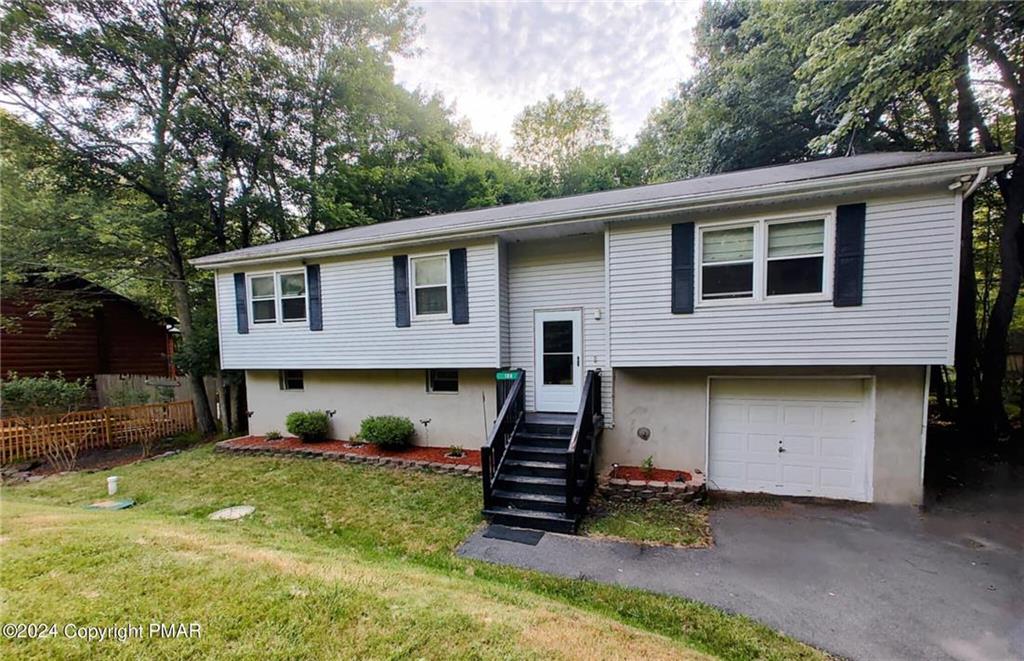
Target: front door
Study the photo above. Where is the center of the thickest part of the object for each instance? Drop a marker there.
(558, 349)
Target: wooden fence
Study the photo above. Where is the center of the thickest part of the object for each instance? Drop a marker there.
(26, 437)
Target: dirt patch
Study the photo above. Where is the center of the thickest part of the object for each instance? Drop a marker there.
(413, 453)
(655, 475)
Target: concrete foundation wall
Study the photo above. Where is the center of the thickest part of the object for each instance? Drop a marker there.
(672, 403)
(461, 418)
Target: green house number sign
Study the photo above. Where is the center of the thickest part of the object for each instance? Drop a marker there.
(505, 375)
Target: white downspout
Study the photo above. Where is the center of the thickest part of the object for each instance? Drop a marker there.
(978, 180)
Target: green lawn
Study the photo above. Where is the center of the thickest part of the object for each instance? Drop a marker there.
(652, 523)
(338, 561)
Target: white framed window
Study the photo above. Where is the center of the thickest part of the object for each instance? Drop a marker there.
(727, 262)
(291, 288)
(431, 293)
(443, 381)
(795, 257)
(277, 297)
(291, 379)
(785, 258)
(262, 299)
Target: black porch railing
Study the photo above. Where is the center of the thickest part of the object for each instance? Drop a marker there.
(580, 457)
(510, 417)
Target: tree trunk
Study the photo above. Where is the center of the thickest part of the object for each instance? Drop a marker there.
(965, 350)
(994, 356)
(183, 308)
(938, 388)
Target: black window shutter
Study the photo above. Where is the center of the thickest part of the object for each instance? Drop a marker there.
(316, 308)
(241, 309)
(401, 290)
(682, 268)
(460, 290)
(849, 269)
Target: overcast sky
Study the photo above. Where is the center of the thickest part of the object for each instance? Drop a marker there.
(493, 58)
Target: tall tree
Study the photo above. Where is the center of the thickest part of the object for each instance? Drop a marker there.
(554, 132)
(902, 68)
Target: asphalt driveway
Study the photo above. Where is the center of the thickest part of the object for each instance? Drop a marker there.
(863, 582)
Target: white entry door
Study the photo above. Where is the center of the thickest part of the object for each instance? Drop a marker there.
(792, 437)
(558, 347)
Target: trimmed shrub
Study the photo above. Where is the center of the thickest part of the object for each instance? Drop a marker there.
(310, 426)
(273, 435)
(387, 431)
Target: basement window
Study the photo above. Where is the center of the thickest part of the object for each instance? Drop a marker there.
(291, 380)
(443, 381)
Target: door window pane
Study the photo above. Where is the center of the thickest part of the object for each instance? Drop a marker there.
(557, 337)
(293, 284)
(432, 300)
(558, 369)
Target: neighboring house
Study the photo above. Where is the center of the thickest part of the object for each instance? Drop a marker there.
(114, 336)
(772, 328)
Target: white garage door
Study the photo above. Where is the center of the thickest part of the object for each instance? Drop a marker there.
(793, 437)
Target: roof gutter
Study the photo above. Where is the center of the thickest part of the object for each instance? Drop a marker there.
(983, 167)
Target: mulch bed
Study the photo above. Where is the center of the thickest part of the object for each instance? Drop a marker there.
(97, 459)
(657, 475)
(331, 449)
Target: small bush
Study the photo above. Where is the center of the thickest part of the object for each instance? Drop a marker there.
(273, 435)
(42, 395)
(387, 431)
(455, 451)
(310, 426)
(647, 466)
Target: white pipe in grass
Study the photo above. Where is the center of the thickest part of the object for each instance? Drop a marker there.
(112, 485)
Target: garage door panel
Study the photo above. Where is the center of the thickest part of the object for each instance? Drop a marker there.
(762, 414)
(823, 426)
(804, 415)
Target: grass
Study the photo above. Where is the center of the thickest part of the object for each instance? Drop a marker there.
(339, 560)
(651, 523)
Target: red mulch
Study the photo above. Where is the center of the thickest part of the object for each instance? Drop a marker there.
(413, 453)
(657, 475)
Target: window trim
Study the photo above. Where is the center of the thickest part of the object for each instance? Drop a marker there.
(760, 283)
(430, 381)
(282, 381)
(447, 314)
(278, 298)
(252, 300)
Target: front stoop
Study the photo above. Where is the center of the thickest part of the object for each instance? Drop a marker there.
(231, 446)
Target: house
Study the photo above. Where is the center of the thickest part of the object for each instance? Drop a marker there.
(108, 333)
(772, 328)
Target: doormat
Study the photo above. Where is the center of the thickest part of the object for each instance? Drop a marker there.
(111, 504)
(517, 535)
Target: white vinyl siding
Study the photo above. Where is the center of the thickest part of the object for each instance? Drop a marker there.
(911, 248)
(504, 340)
(563, 273)
(358, 295)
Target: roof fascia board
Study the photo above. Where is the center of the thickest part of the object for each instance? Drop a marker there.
(769, 193)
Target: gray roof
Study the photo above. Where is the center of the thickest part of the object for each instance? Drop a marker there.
(497, 217)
